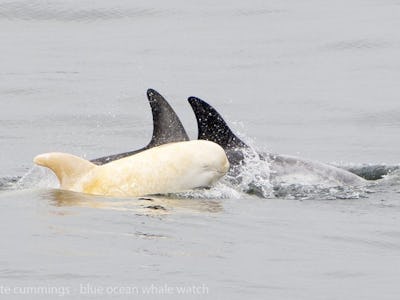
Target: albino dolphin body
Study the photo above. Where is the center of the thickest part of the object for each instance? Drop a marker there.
(169, 168)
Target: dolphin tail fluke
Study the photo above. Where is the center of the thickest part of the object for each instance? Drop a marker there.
(212, 126)
(167, 128)
(67, 167)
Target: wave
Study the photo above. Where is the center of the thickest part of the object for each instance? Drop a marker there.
(36, 177)
(70, 11)
(8, 183)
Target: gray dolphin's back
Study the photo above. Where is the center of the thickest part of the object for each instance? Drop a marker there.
(294, 170)
(167, 128)
(213, 127)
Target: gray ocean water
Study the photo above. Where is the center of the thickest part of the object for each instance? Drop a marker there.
(316, 79)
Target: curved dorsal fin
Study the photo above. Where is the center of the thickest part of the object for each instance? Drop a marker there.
(167, 128)
(67, 167)
(212, 126)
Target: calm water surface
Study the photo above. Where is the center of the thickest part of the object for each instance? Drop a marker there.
(317, 80)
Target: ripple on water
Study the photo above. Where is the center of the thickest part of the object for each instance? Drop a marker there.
(357, 44)
(64, 11)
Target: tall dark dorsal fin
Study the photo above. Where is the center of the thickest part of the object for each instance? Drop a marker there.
(167, 128)
(212, 126)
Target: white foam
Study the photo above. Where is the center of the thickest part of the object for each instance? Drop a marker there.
(38, 177)
(253, 175)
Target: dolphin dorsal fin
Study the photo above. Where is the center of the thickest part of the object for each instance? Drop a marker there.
(212, 126)
(67, 167)
(167, 128)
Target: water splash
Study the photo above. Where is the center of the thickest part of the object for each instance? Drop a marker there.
(252, 176)
(8, 183)
(37, 177)
(391, 179)
(221, 190)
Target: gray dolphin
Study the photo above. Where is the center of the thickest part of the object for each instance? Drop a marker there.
(167, 128)
(284, 169)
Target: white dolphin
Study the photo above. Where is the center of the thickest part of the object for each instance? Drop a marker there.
(169, 168)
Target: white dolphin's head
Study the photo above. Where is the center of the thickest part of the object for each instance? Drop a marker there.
(208, 163)
(213, 156)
